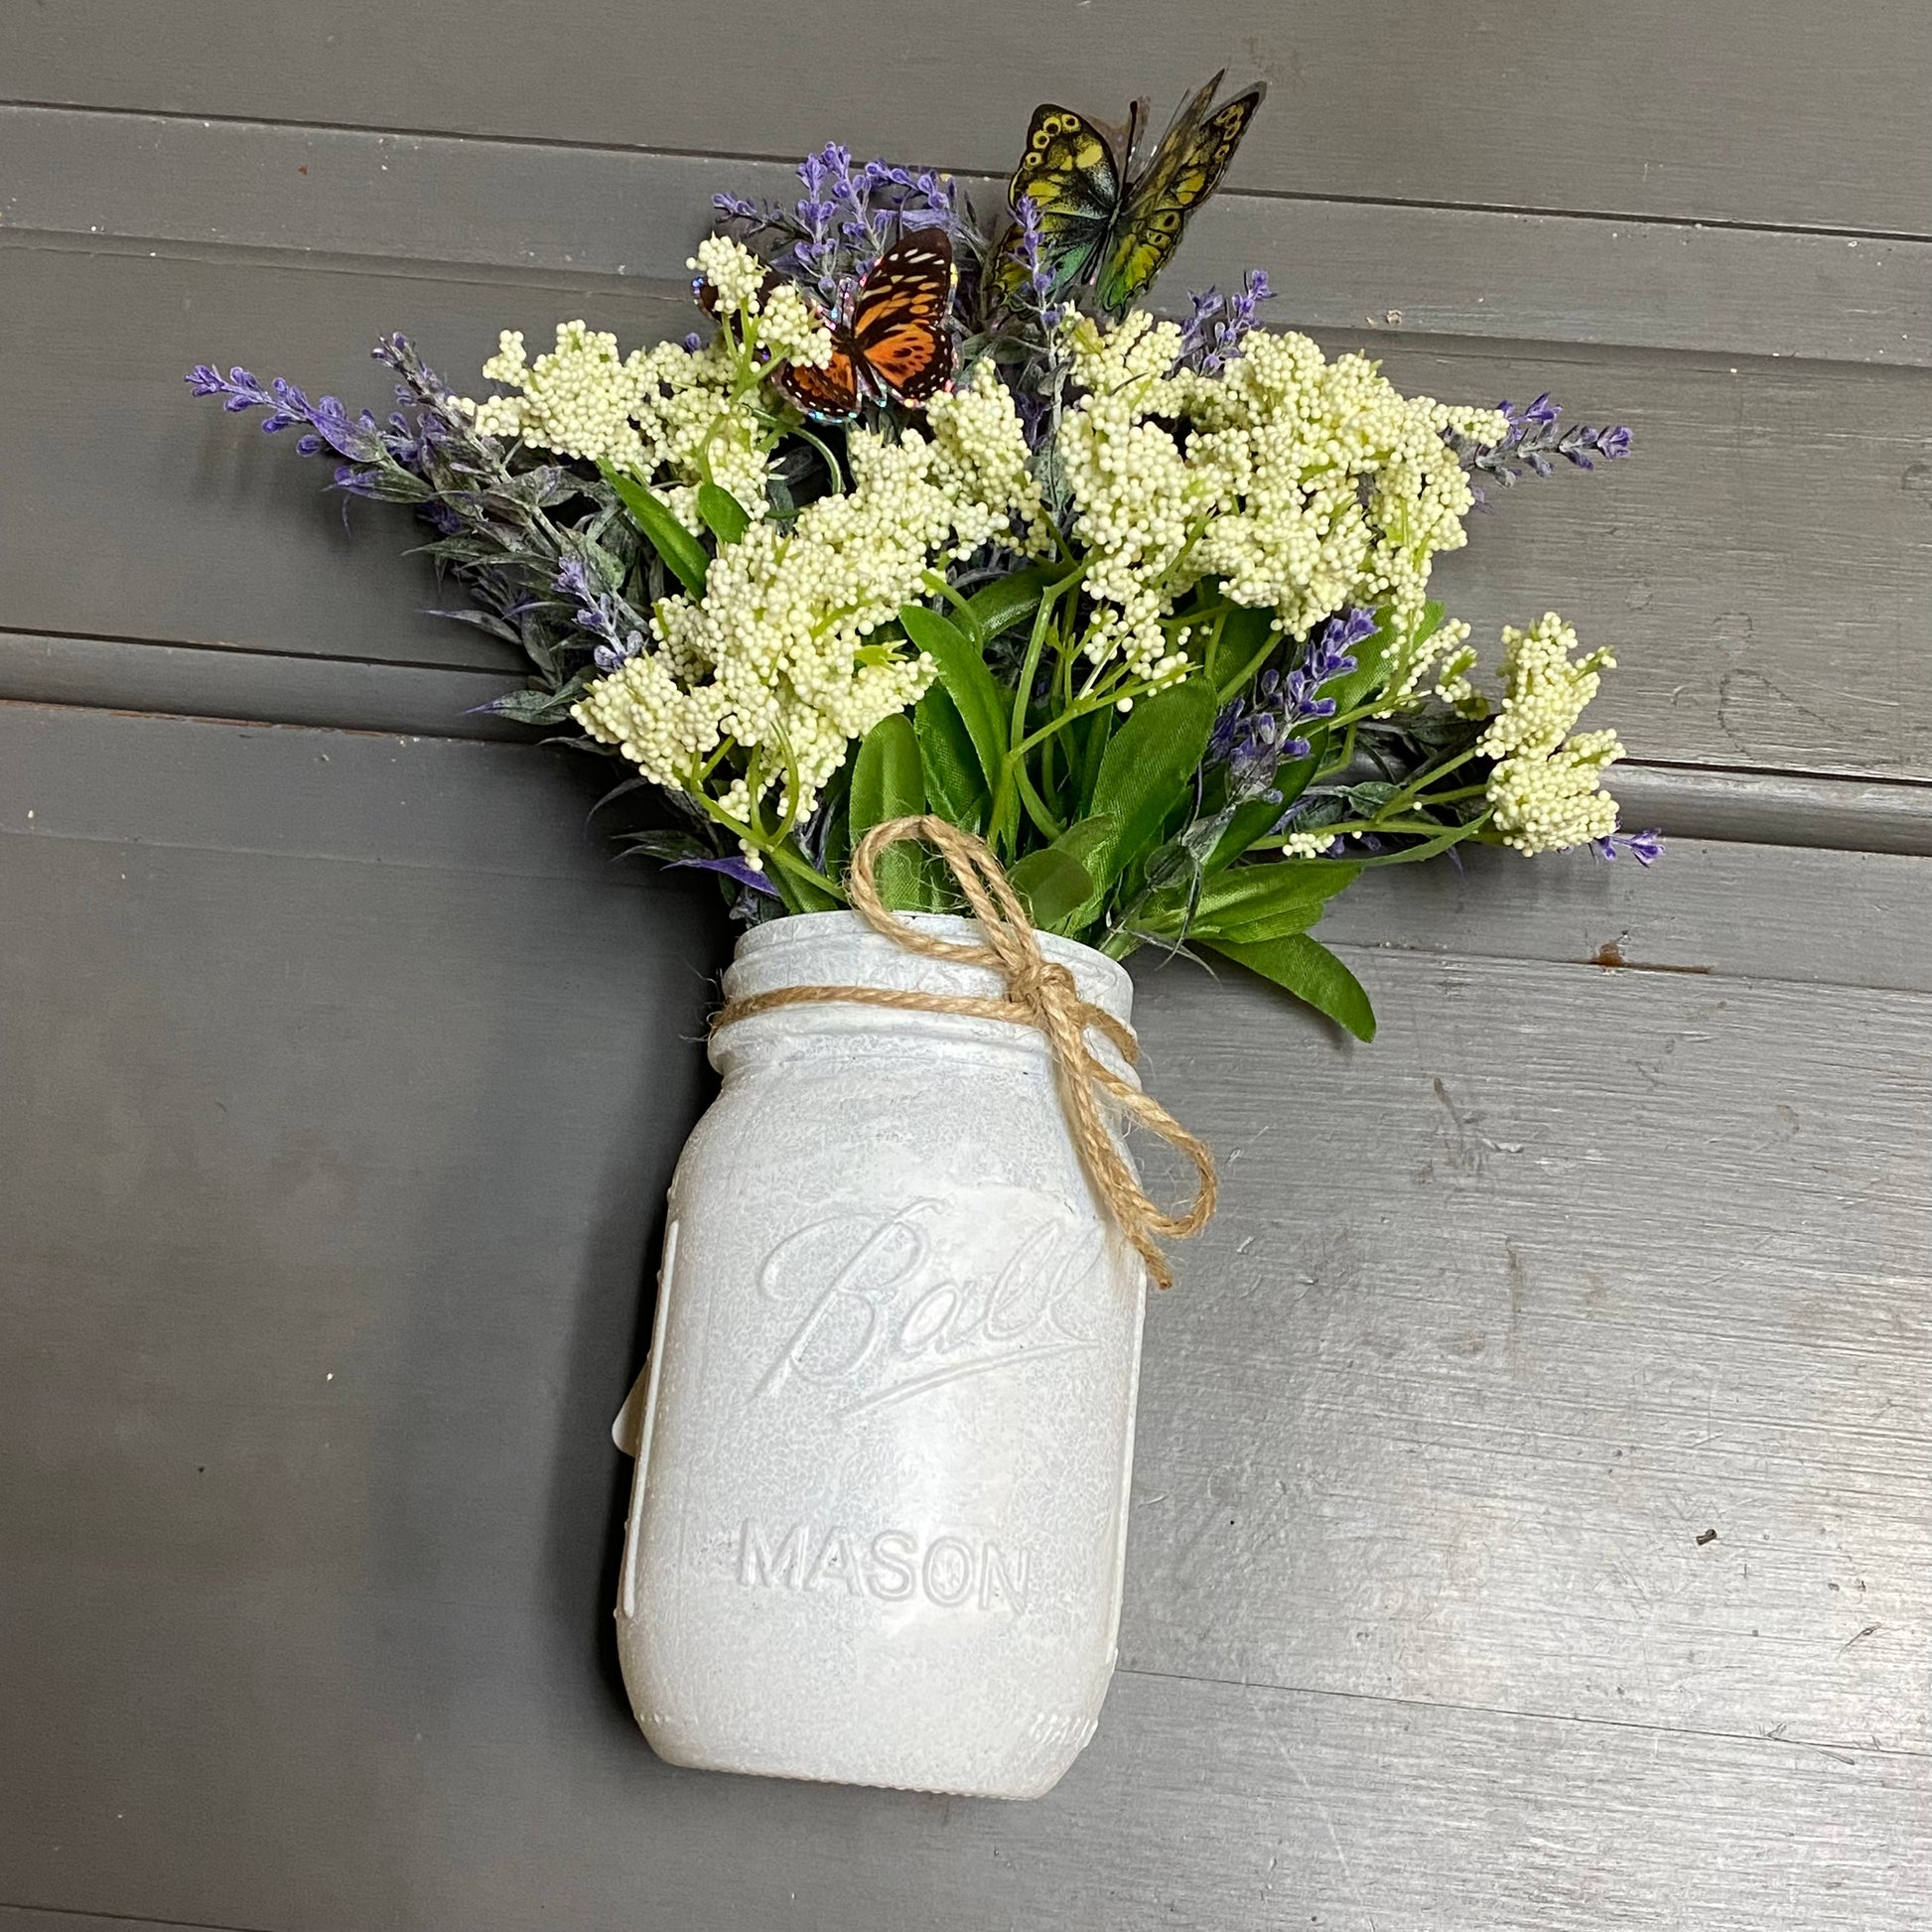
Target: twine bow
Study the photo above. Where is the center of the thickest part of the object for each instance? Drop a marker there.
(1039, 993)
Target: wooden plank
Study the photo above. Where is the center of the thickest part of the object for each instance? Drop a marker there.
(26, 1918)
(193, 680)
(1767, 610)
(351, 1088)
(202, 681)
(1438, 271)
(1565, 1351)
(1732, 910)
(463, 1770)
(1779, 807)
(130, 508)
(1782, 113)
(1717, 911)
(1760, 568)
(407, 802)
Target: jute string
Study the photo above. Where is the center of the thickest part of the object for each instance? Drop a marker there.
(1039, 993)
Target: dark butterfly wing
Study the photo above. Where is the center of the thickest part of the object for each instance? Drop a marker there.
(901, 335)
(1191, 163)
(1075, 176)
(830, 395)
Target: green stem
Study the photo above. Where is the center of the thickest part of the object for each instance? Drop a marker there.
(1037, 808)
(937, 585)
(1344, 761)
(803, 869)
(1420, 783)
(831, 462)
(1223, 692)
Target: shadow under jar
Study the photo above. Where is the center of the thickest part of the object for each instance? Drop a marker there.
(879, 1520)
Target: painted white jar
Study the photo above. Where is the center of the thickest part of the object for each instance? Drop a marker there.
(879, 1519)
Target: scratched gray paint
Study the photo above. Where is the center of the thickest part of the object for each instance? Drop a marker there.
(1771, 111)
(349, 1058)
(1719, 634)
(1669, 1213)
(1442, 271)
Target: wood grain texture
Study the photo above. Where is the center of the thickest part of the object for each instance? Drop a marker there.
(1766, 111)
(620, 212)
(491, 1789)
(1716, 564)
(269, 687)
(1589, 1264)
(349, 1089)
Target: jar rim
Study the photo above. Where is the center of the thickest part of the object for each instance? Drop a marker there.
(798, 927)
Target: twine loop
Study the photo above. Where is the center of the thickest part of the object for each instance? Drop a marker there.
(1039, 993)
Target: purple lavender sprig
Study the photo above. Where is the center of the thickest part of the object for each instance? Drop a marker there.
(1036, 292)
(603, 614)
(1257, 734)
(327, 424)
(1214, 334)
(495, 510)
(1646, 848)
(846, 219)
(1531, 440)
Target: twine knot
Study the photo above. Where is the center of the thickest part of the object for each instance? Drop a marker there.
(1039, 993)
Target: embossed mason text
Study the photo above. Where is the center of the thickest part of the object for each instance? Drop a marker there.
(956, 1572)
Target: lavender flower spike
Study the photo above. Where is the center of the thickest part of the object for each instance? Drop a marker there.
(1255, 737)
(598, 613)
(1214, 335)
(1533, 438)
(1646, 848)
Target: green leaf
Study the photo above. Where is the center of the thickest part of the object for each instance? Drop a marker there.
(983, 706)
(1046, 880)
(1146, 771)
(799, 891)
(888, 782)
(1310, 971)
(1247, 639)
(1087, 743)
(724, 515)
(1265, 902)
(530, 707)
(1009, 601)
(955, 786)
(682, 552)
(1054, 885)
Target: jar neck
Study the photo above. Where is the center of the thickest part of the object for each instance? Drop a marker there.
(834, 949)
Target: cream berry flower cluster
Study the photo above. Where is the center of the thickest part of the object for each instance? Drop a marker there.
(786, 657)
(579, 399)
(1545, 788)
(683, 416)
(1307, 487)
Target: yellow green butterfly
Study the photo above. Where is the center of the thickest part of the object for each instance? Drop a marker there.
(1100, 224)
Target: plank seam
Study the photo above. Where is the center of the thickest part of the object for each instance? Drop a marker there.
(82, 1915)
(220, 648)
(972, 178)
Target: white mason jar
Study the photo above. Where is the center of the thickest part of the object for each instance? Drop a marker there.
(878, 1521)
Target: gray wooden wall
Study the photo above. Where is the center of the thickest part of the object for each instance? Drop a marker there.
(343, 1074)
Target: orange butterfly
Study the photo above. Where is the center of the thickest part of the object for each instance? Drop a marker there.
(895, 343)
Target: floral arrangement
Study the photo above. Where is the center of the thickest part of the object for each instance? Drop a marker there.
(931, 517)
